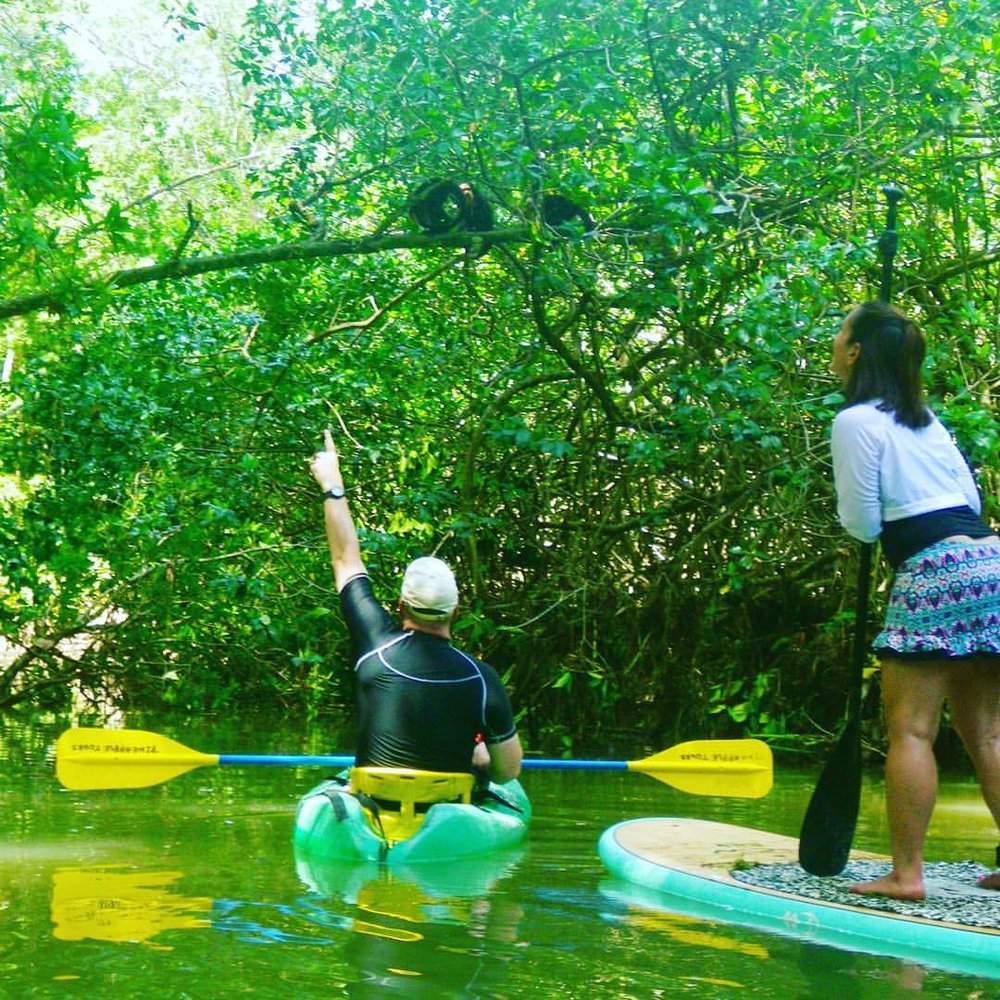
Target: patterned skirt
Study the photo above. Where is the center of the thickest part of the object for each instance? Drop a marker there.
(944, 603)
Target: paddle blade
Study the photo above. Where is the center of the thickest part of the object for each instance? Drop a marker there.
(734, 768)
(828, 827)
(88, 759)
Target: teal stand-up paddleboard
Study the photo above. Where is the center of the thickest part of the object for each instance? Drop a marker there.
(736, 875)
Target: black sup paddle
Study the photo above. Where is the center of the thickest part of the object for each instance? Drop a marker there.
(828, 827)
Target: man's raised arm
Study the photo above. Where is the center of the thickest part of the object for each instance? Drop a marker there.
(342, 536)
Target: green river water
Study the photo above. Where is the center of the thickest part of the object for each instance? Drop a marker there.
(191, 890)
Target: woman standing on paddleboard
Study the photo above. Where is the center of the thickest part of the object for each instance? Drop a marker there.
(900, 478)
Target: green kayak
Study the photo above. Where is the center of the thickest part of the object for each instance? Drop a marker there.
(401, 825)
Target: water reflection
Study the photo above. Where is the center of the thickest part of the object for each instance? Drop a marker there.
(375, 915)
(102, 904)
(423, 891)
(678, 927)
(395, 908)
(643, 910)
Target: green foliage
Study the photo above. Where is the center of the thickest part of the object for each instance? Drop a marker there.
(618, 436)
(45, 173)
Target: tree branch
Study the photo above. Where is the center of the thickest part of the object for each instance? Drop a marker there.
(56, 300)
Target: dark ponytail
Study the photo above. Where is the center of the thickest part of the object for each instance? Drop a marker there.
(888, 364)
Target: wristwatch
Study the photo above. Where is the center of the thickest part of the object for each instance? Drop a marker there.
(337, 493)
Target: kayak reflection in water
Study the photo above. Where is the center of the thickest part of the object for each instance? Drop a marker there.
(422, 702)
(900, 478)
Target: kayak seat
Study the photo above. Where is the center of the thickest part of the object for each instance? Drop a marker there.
(401, 796)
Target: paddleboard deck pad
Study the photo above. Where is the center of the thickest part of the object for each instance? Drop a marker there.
(733, 874)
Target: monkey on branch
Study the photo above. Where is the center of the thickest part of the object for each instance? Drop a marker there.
(443, 205)
(447, 206)
(559, 213)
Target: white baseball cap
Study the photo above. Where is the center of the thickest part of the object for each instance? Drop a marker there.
(429, 590)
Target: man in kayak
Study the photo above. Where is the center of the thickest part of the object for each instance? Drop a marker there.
(422, 702)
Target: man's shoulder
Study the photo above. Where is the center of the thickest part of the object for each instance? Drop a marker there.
(368, 622)
(484, 667)
(358, 583)
(358, 592)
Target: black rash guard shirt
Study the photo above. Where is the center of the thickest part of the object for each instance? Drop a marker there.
(421, 701)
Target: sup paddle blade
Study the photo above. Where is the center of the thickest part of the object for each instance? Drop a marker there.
(828, 827)
(734, 768)
(88, 759)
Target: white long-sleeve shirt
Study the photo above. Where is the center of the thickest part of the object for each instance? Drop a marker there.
(884, 471)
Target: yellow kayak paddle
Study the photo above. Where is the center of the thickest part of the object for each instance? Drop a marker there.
(133, 758)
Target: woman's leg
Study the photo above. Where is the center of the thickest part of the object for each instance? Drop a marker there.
(974, 698)
(913, 693)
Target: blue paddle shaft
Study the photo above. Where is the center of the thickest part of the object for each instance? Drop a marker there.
(533, 763)
(286, 760)
(543, 764)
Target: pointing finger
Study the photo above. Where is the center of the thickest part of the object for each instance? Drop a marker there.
(328, 439)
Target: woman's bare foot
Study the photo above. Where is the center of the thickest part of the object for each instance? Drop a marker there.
(892, 886)
(990, 881)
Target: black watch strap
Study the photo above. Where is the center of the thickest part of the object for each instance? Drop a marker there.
(334, 494)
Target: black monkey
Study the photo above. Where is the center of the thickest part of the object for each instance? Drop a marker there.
(477, 212)
(557, 210)
(446, 206)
